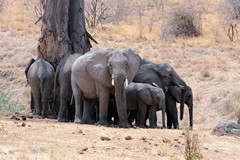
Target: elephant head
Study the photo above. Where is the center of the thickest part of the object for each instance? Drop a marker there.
(166, 76)
(175, 92)
(115, 68)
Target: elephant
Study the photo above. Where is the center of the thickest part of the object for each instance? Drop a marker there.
(98, 74)
(62, 85)
(175, 96)
(164, 76)
(147, 99)
(40, 76)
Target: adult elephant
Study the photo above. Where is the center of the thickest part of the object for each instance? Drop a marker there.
(175, 96)
(96, 75)
(164, 76)
(146, 99)
(63, 88)
(40, 76)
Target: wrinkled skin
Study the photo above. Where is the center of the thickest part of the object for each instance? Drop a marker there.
(40, 76)
(175, 93)
(164, 76)
(147, 99)
(96, 75)
(63, 88)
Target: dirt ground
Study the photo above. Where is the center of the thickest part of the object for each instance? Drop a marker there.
(48, 139)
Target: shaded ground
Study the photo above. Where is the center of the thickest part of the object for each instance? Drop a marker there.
(48, 139)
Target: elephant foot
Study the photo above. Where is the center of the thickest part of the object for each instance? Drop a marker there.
(123, 125)
(88, 121)
(44, 116)
(142, 126)
(103, 123)
(78, 120)
(52, 117)
(63, 120)
(153, 126)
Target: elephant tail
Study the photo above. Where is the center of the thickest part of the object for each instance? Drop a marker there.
(31, 61)
(56, 85)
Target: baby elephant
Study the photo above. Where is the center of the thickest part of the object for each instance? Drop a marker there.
(146, 99)
(40, 76)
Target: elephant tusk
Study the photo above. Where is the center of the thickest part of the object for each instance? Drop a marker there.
(113, 82)
(155, 85)
(181, 86)
(126, 82)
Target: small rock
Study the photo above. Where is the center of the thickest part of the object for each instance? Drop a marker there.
(165, 140)
(105, 138)
(128, 138)
(23, 124)
(143, 138)
(175, 139)
(30, 116)
(13, 117)
(29, 125)
(24, 118)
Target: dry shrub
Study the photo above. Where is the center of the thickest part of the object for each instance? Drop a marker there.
(230, 106)
(184, 22)
(192, 148)
(231, 10)
(238, 116)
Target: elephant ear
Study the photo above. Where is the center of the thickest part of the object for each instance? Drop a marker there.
(97, 66)
(145, 95)
(134, 62)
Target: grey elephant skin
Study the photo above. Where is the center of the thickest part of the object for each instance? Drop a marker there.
(164, 76)
(62, 86)
(146, 99)
(97, 75)
(175, 97)
(40, 76)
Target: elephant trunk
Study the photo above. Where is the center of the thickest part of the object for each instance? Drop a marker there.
(183, 87)
(120, 96)
(190, 108)
(183, 91)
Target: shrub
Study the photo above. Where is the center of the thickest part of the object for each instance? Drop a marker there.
(185, 21)
(238, 116)
(9, 105)
(192, 149)
(231, 10)
(181, 24)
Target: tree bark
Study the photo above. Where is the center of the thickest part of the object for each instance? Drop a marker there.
(63, 31)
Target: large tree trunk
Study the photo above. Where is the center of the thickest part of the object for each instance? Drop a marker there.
(63, 31)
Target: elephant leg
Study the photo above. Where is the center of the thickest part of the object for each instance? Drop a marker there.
(37, 101)
(131, 117)
(88, 112)
(103, 105)
(71, 110)
(65, 99)
(169, 120)
(172, 112)
(142, 113)
(152, 116)
(78, 97)
(32, 104)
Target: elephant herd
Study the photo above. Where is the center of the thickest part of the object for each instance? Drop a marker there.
(108, 87)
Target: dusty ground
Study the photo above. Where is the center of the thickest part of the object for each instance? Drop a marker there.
(47, 139)
(210, 64)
